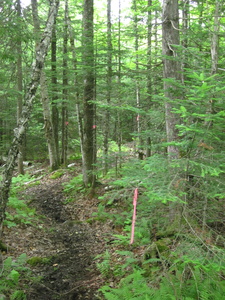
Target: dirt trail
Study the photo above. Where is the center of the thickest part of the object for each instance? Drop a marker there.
(66, 239)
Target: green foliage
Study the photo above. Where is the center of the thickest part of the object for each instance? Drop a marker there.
(18, 213)
(73, 186)
(134, 286)
(36, 260)
(104, 266)
(11, 276)
(57, 174)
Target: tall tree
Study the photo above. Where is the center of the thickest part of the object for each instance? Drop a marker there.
(55, 111)
(48, 126)
(19, 131)
(65, 89)
(88, 106)
(109, 86)
(171, 70)
(149, 70)
(19, 85)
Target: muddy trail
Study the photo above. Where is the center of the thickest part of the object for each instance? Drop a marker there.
(64, 240)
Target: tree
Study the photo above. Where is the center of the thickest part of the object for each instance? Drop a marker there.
(54, 105)
(20, 86)
(20, 130)
(65, 89)
(89, 151)
(48, 126)
(109, 86)
(171, 70)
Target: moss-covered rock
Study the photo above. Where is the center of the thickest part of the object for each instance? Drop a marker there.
(36, 260)
(57, 174)
(154, 254)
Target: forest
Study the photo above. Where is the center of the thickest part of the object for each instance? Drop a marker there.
(112, 141)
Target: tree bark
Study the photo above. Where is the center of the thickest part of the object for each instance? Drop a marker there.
(20, 87)
(65, 122)
(48, 127)
(54, 106)
(89, 82)
(149, 73)
(171, 70)
(19, 132)
(109, 87)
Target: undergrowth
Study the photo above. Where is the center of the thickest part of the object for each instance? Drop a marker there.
(173, 256)
(18, 212)
(13, 276)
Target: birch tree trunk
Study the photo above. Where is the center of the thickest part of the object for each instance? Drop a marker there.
(20, 130)
(171, 70)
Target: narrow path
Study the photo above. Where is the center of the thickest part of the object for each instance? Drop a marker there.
(68, 242)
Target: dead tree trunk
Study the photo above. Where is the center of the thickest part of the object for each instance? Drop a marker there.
(20, 130)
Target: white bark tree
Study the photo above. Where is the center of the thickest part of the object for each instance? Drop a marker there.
(20, 130)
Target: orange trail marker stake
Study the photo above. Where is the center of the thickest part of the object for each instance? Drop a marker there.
(134, 215)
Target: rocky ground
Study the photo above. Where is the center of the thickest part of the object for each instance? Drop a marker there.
(64, 237)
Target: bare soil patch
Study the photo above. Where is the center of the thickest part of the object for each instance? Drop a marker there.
(65, 238)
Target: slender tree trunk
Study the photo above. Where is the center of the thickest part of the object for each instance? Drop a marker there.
(54, 106)
(48, 127)
(20, 88)
(88, 97)
(19, 132)
(171, 70)
(109, 86)
(76, 93)
(118, 125)
(65, 122)
(185, 24)
(149, 73)
(214, 53)
(138, 92)
(215, 38)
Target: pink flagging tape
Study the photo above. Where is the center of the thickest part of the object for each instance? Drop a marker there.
(134, 215)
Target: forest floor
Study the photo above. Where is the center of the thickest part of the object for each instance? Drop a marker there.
(64, 237)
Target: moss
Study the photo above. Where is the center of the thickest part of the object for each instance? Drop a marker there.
(36, 260)
(156, 248)
(153, 255)
(56, 174)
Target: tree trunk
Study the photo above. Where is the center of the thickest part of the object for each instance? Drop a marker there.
(89, 107)
(54, 106)
(76, 90)
(215, 38)
(65, 122)
(20, 88)
(171, 70)
(19, 132)
(109, 86)
(118, 119)
(48, 127)
(149, 74)
(138, 91)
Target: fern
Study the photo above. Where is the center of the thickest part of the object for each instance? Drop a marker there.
(134, 286)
